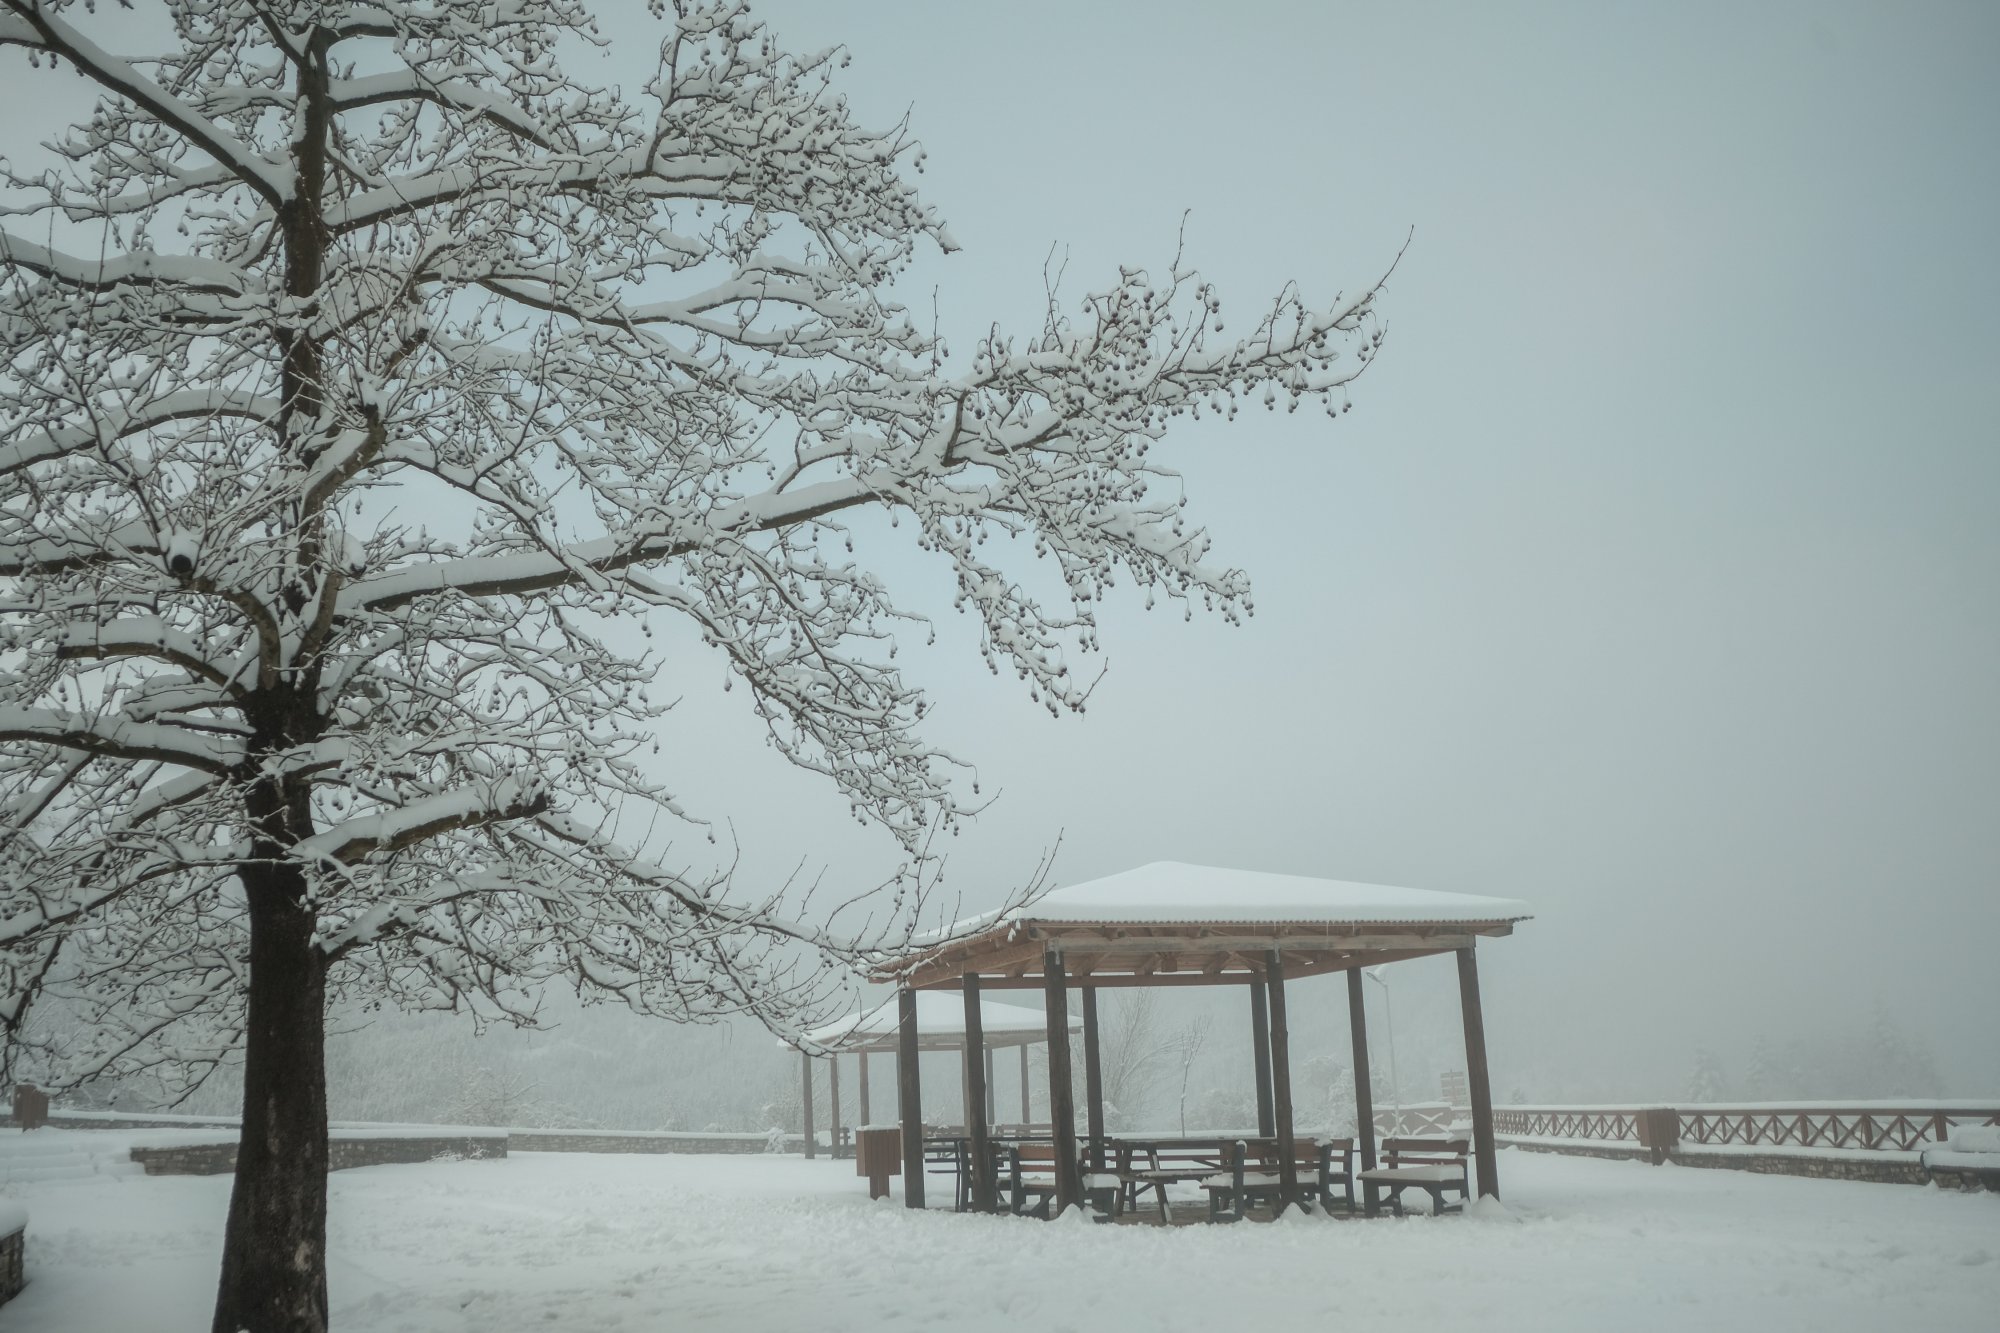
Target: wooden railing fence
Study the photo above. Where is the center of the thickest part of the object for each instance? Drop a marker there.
(1868, 1127)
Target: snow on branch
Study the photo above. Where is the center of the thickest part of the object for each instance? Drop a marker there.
(33, 24)
(119, 738)
(502, 801)
(368, 372)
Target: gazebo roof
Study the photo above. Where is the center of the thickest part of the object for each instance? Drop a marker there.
(1170, 923)
(940, 1026)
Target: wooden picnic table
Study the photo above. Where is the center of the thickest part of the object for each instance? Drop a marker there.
(1155, 1162)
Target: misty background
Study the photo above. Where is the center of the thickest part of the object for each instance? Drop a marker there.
(1652, 578)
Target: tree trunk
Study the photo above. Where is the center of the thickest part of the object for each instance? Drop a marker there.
(274, 1250)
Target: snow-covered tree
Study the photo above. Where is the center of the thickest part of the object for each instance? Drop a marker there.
(361, 367)
(1762, 1076)
(1323, 1095)
(1132, 1050)
(497, 1093)
(1895, 1062)
(1184, 1047)
(1705, 1081)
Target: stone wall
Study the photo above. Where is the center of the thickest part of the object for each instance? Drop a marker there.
(13, 1263)
(1577, 1148)
(1888, 1169)
(194, 1159)
(1969, 1179)
(102, 1120)
(217, 1159)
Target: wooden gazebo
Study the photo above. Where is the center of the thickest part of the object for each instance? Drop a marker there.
(941, 1026)
(1172, 924)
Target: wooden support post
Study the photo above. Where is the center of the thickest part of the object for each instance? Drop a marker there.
(992, 1102)
(806, 1100)
(833, 1101)
(1364, 1091)
(1281, 1079)
(861, 1092)
(1260, 1041)
(1093, 1080)
(982, 1183)
(911, 1098)
(1062, 1107)
(1027, 1111)
(1476, 1082)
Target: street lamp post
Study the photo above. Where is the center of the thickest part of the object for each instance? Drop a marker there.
(1374, 974)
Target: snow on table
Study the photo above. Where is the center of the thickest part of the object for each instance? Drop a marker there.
(593, 1243)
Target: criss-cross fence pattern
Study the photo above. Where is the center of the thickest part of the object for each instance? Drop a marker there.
(1866, 1126)
(1421, 1119)
(1897, 1129)
(1612, 1124)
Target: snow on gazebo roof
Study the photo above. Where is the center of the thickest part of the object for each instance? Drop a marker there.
(1174, 891)
(940, 1025)
(1169, 922)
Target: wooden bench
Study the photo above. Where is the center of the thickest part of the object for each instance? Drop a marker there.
(951, 1154)
(1254, 1177)
(1435, 1166)
(1029, 1182)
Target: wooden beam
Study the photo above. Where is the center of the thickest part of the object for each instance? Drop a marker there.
(1260, 1049)
(833, 1102)
(1212, 945)
(991, 1114)
(1093, 1080)
(1013, 956)
(1117, 979)
(1364, 1091)
(910, 1098)
(1080, 965)
(1027, 1112)
(1281, 1080)
(1012, 949)
(806, 1101)
(982, 1183)
(1062, 1106)
(1476, 1082)
(861, 1089)
(1144, 969)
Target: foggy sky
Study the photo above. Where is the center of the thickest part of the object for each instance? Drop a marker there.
(1652, 578)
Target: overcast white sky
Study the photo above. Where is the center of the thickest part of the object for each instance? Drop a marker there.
(1653, 578)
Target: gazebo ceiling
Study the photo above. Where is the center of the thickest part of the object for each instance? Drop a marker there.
(940, 1026)
(1169, 923)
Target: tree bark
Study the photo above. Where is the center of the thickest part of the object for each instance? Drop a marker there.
(274, 1244)
(274, 1247)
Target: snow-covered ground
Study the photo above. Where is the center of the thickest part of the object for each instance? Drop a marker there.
(589, 1242)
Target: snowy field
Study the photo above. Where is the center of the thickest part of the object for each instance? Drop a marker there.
(585, 1242)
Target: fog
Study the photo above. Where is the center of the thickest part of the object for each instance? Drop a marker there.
(1652, 578)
